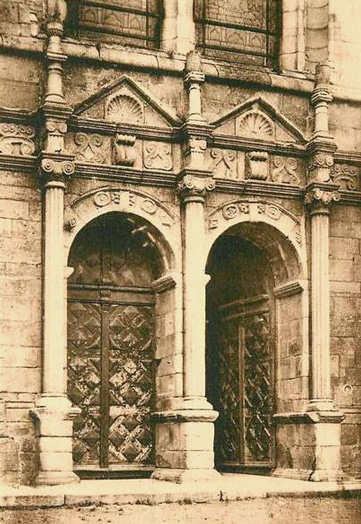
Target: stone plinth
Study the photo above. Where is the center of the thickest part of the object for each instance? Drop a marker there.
(308, 445)
(184, 444)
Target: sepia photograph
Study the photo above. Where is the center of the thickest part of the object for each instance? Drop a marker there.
(180, 261)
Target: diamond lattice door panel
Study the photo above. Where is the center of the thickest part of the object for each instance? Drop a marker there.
(245, 389)
(111, 324)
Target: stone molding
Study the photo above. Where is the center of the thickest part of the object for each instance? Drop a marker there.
(309, 417)
(164, 283)
(185, 415)
(288, 289)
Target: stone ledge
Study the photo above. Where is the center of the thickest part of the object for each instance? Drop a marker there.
(234, 487)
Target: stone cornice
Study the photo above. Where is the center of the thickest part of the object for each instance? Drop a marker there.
(113, 173)
(247, 144)
(90, 125)
(16, 163)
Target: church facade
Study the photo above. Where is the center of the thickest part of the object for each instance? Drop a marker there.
(180, 238)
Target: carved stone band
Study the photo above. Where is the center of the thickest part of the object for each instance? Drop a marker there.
(56, 170)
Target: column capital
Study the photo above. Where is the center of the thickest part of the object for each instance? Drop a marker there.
(194, 186)
(319, 197)
(56, 169)
(193, 77)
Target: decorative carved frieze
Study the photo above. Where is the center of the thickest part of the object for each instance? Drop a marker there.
(89, 148)
(123, 150)
(223, 163)
(257, 165)
(285, 170)
(346, 175)
(56, 170)
(17, 139)
(157, 155)
(232, 210)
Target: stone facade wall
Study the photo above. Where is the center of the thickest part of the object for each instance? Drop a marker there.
(20, 320)
(266, 192)
(345, 279)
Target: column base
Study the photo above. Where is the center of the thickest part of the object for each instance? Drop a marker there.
(54, 416)
(184, 443)
(54, 478)
(309, 445)
(182, 476)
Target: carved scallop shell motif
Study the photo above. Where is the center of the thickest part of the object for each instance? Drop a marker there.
(124, 108)
(255, 125)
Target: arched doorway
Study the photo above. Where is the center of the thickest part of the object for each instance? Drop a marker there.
(111, 331)
(241, 345)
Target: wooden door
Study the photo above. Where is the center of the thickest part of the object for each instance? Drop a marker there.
(110, 348)
(243, 392)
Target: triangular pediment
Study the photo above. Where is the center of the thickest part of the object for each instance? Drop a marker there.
(127, 102)
(257, 119)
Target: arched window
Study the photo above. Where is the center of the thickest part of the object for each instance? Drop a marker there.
(243, 30)
(128, 22)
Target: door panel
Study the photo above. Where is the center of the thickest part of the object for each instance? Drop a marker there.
(110, 346)
(245, 387)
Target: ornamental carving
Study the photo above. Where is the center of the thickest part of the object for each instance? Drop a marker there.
(157, 155)
(269, 210)
(255, 211)
(131, 201)
(17, 139)
(55, 170)
(89, 148)
(123, 151)
(232, 210)
(224, 163)
(257, 165)
(319, 167)
(346, 176)
(321, 197)
(284, 170)
(255, 124)
(195, 186)
(124, 108)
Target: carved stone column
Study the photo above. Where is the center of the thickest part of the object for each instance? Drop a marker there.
(53, 412)
(319, 199)
(189, 430)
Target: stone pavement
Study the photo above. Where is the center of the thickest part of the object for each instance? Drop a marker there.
(231, 487)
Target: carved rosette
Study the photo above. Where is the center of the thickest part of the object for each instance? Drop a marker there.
(192, 186)
(54, 170)
(319, 199)
(319, 167)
